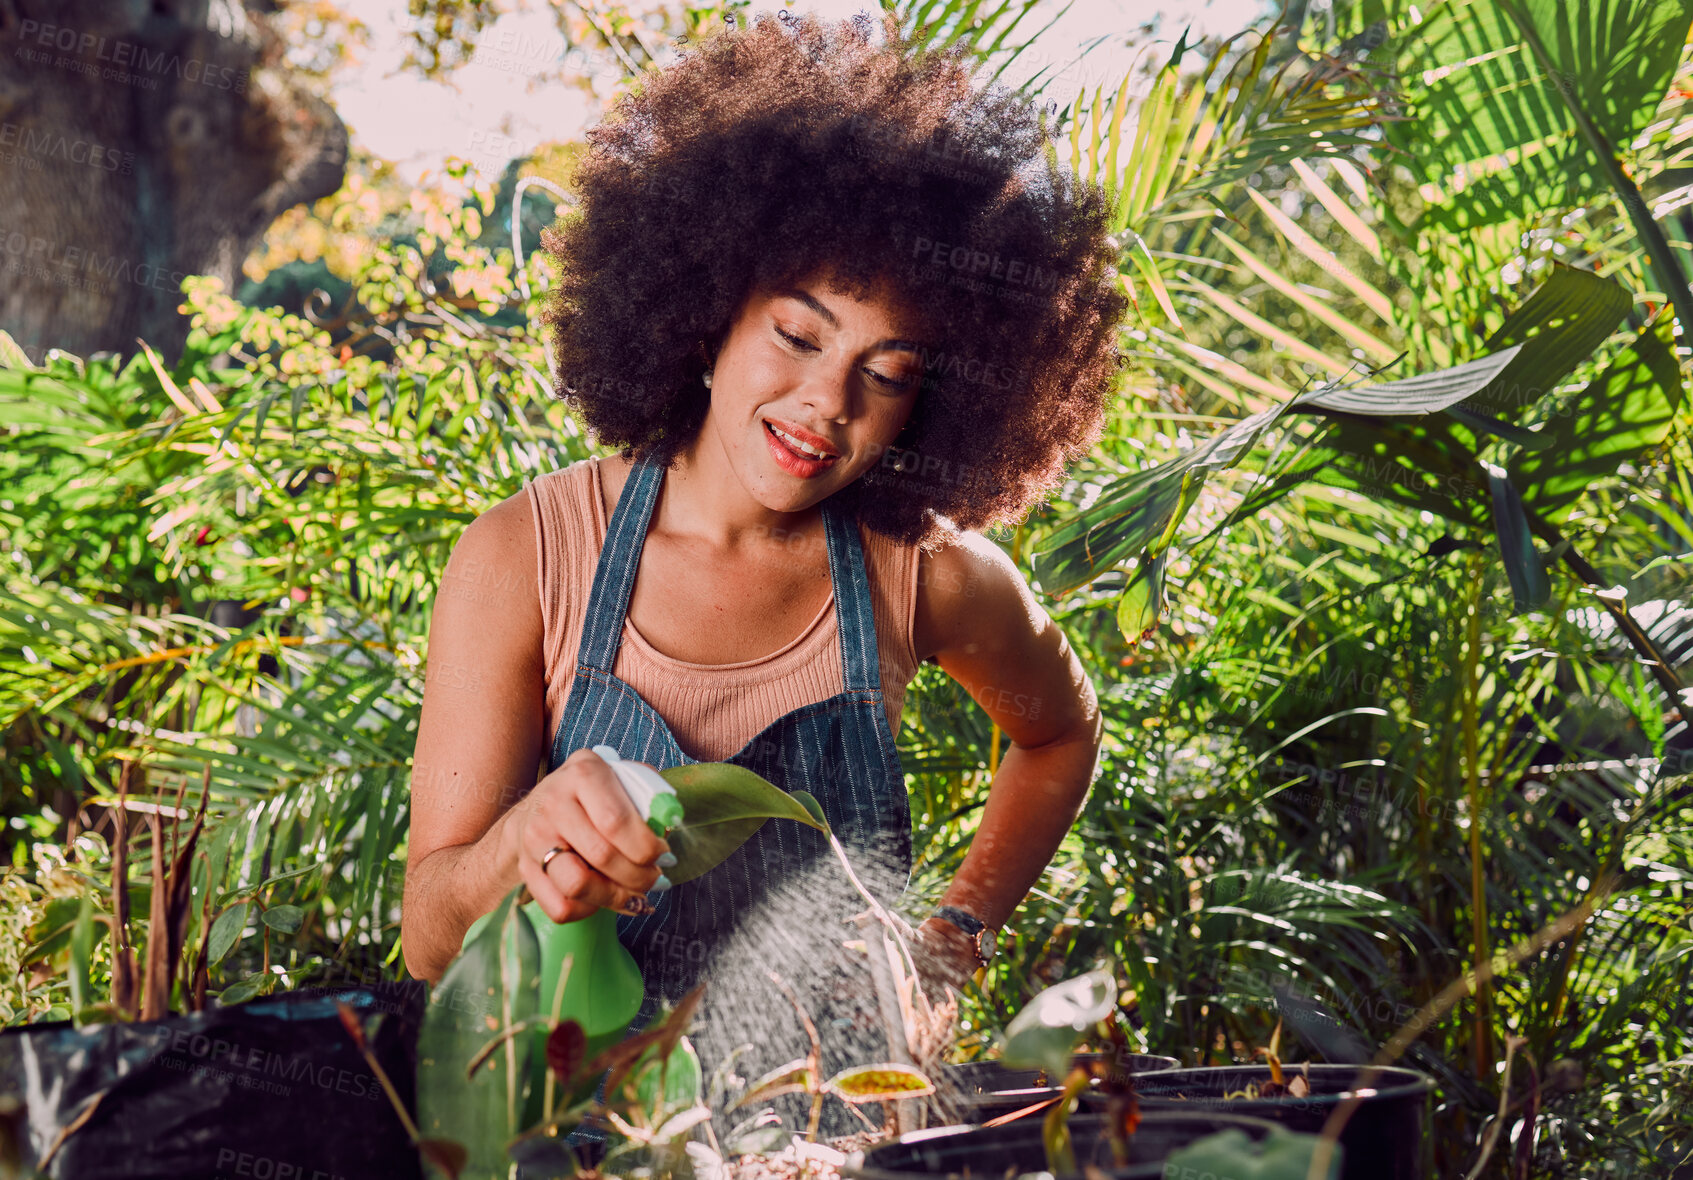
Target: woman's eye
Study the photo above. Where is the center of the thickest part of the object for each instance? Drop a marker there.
(796, 341)
(891, 382)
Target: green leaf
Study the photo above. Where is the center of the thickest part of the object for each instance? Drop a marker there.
(226, 932)
(1142, 600)
(51, 933)
(493, 985)
(1486, 96)
(1280, 1155)
(879, 1083)
(1044, 1034)
(1558, 326)
(723, 805)
(1524, 566)
(1625, 411)
(246, 989)
(679, 1074)
(1414, 396)
(284, 919)
(810, 803)
(1143, 509)
(82, 952)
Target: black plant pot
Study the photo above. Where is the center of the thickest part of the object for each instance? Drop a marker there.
(981, 1090)
(1016, 1148)
(1386, 1137)
(274, 1087)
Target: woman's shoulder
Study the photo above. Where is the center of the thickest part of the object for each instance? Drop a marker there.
(964, 580)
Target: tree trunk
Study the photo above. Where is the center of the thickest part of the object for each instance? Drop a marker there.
(140, 143)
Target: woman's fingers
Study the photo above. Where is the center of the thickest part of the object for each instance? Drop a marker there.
(615, 818)
(548, 895)
(571, 888)
(567, 815)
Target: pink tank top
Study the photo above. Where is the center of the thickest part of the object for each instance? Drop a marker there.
(713, 709)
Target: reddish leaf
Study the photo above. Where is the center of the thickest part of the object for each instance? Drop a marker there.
(444, 1154)
(567, 1044)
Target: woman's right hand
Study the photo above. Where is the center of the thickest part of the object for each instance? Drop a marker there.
(609, 852)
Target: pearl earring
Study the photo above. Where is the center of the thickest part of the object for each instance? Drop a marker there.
(707, 378)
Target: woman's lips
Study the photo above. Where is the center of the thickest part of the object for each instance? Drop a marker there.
(792, 461)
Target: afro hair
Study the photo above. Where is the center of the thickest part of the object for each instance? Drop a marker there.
(791, 148)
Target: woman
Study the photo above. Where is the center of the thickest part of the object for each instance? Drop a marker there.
(840, 312)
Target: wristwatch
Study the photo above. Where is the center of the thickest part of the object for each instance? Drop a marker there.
(982, 936)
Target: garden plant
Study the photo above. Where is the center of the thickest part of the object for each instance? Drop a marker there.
(1381, 572)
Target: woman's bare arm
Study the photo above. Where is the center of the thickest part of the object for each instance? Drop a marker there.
(479, 737)
(979, 619)
(480, 823)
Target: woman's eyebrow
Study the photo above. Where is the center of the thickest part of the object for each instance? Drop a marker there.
(829, 317)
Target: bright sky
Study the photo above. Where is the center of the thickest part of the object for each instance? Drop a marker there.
(488, 113)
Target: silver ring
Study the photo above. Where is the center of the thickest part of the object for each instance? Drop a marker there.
(547, 858)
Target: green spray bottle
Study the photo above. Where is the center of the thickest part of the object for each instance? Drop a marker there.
(604, 989)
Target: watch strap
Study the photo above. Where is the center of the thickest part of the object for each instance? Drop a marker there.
(963, 919)
(971, 925)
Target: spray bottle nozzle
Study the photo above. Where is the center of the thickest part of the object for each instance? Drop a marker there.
(654, 798)
(666, 813)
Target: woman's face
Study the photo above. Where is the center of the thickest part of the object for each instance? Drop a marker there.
(831, 372)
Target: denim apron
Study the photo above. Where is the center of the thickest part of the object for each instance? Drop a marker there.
(840, 750)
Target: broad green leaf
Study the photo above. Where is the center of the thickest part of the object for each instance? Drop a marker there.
(1524, 566)
(1558, 326)
(1045, 1033)
(241, 992)
(1627, 410)
(1413, 396)
(1142, 600)
(284, 919)
(810, 803)
(493, 985)
(1140, 510)
(226, 932)
(1280, 1155)
(82, 953)
(1429, 465)
(679, 1074)
(879, 1083)
(723, 805)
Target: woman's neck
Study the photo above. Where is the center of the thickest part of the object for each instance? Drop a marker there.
(703, 498)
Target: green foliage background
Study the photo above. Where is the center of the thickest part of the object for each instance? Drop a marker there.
(1381, 717)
